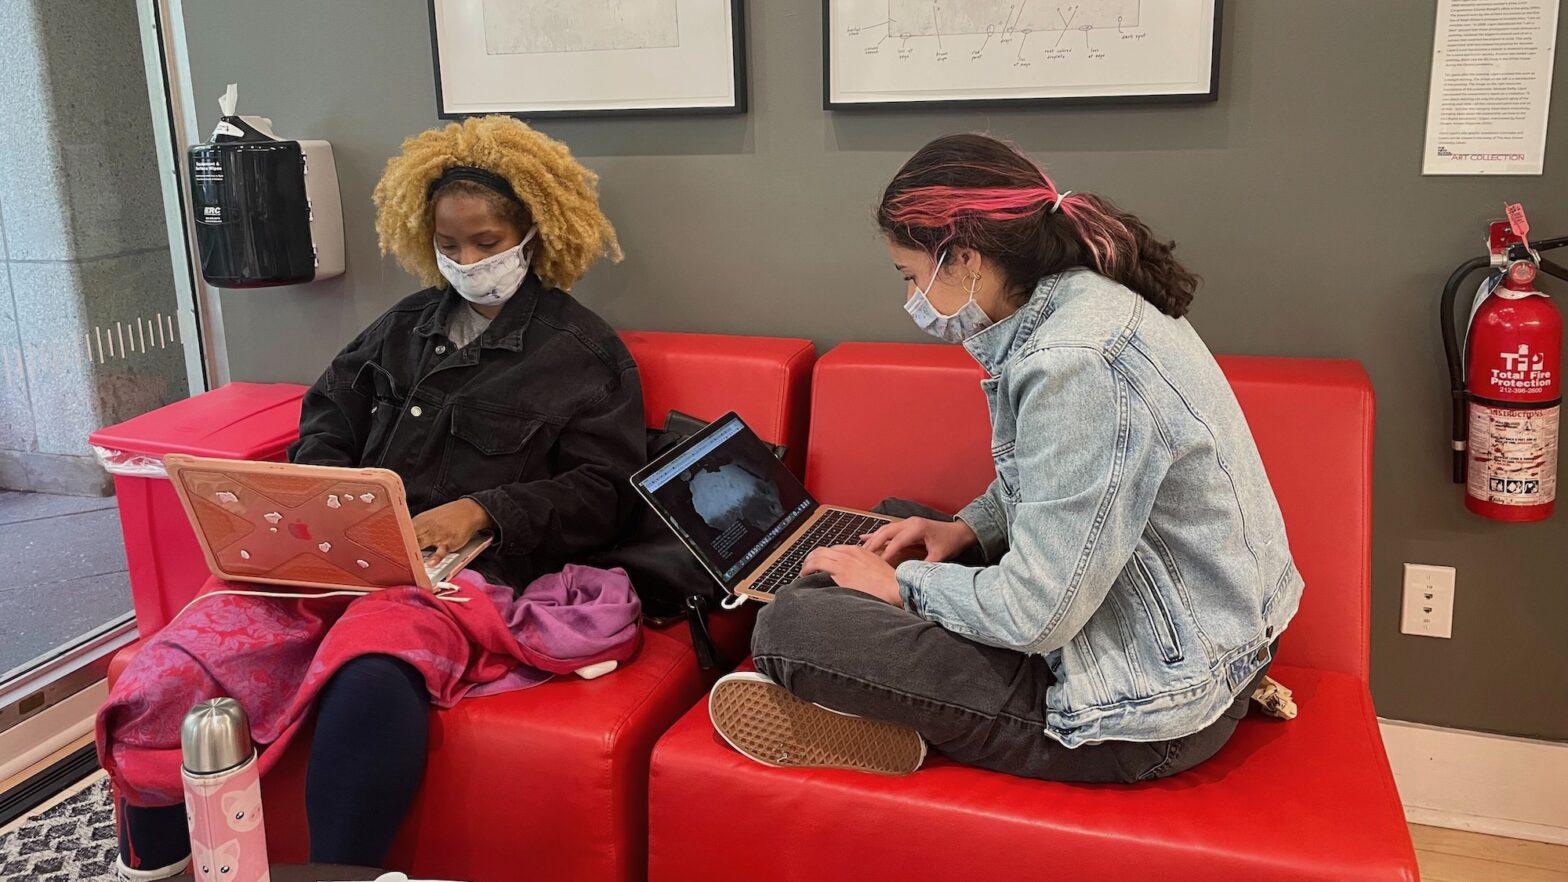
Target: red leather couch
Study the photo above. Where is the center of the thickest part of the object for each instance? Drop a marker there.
(1312, 798)
(551, 782)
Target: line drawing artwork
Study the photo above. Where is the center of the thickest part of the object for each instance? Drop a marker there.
(931, 52)
(1052, 25)
(537, 27)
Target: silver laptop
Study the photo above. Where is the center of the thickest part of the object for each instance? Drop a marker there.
(746, 517)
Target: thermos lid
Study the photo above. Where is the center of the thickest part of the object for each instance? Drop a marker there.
(215, 737)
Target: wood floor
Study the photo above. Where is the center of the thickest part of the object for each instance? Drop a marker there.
(1457, 856)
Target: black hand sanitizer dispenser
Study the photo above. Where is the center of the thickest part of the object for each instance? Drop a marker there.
(267, 209)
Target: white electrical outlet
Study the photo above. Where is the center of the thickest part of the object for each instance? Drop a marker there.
(1429, 601)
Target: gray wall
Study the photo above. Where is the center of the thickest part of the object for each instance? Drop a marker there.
(1298, 196)
(84, 259)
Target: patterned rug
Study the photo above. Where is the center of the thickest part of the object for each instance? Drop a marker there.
(70, 837)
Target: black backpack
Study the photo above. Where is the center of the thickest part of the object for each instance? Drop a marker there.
(670, 581)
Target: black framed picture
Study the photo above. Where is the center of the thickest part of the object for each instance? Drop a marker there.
(888, 54)
(536, 58)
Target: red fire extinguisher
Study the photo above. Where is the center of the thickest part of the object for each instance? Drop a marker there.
(1506, 378)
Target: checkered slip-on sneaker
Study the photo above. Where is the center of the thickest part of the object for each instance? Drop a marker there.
(763, 721)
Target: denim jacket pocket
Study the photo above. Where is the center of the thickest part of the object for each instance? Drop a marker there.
(1162, 626)
(1113, 632)
(487, 448)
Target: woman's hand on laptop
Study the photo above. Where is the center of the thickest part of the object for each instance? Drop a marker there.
(449, 527)
(906, 539)
(853, 567)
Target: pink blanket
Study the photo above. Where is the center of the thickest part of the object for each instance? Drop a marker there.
(273, 655)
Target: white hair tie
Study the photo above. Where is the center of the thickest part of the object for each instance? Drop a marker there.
(1057, 205)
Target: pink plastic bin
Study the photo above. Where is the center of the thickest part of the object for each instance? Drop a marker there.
(256, 421)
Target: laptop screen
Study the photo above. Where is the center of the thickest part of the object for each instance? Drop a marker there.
(730, 496)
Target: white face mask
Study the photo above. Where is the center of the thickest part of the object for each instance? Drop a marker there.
(492, 281)
(968, 321)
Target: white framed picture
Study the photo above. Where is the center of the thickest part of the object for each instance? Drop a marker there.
(536, 58)
(881, 54)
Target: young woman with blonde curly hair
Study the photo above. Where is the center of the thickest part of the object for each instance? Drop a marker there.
(505, 406)
(503, 403)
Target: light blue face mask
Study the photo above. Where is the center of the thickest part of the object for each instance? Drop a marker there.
(968, 321)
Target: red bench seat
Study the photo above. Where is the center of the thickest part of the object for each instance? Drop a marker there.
(1312, 798)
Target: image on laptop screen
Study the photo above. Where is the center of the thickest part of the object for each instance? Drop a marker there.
(731, 497)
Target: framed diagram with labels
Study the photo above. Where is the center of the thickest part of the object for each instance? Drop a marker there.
(966, 53)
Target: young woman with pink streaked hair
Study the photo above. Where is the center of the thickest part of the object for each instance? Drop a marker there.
(1105, 609)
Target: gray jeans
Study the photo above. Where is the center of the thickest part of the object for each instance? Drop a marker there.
(976, 704)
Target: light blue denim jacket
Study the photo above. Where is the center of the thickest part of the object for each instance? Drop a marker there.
(1131, 535)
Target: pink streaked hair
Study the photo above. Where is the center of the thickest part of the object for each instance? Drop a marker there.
(950, 209)
(978, 192)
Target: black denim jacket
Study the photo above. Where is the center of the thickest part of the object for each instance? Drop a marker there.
(540, 421)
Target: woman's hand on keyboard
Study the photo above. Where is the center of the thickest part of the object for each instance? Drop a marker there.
(903, 540)
(449, 527)
(852, 566)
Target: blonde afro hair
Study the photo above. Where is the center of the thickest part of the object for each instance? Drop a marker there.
(560, 194)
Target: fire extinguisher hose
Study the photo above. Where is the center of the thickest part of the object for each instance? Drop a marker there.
(1456, 367)
(1551, 267)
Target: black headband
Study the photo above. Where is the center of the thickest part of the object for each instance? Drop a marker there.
(482, 177)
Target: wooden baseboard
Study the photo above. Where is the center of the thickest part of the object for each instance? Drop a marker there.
(33, 741)
(1475, 781)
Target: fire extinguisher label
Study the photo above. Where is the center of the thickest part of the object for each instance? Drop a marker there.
(1513, 454)
(1521, 372)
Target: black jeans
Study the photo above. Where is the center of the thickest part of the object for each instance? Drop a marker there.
(976, 704)
(366, 761)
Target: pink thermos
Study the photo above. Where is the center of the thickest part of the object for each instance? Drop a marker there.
(223, 794)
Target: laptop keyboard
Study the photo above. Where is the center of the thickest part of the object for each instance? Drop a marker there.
(833, 528)
(433, 566)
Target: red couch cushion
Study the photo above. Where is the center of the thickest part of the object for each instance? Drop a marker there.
(575, 751)
(898, 419)
(552, 779)
(1312, 419)
(764, 379)
(893, 419)
(1309, 799)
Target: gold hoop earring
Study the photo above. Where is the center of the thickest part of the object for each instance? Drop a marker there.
(973, 283)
